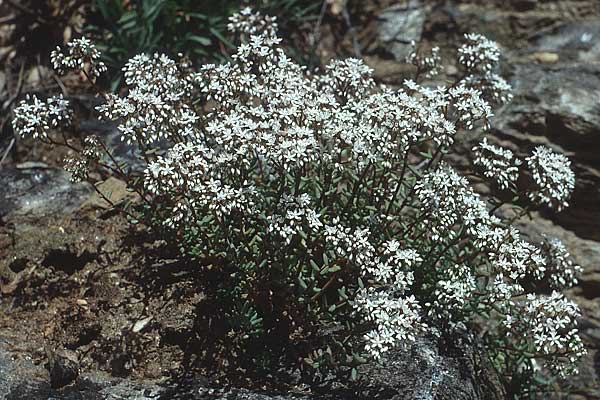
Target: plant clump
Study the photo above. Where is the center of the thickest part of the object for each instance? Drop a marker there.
(330, 206)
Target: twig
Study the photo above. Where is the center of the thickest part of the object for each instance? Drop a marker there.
(17, 93)
(8, 19)
(26, 10)
(356, 187)
(324, 288)
(317, 30)
(10, 145)
(352, 30)
(7, 105)
(60, 84)
(94, 85)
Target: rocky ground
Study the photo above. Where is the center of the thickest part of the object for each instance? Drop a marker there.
(92, 311)
(82, 299)
(552, 59)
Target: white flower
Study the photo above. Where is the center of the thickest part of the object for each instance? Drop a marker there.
(478, 53)
(562, 272)
(429, 65)
(394, 267)
(251, 22)
(492, 86)
(498, 164)
(295, 217)
(454, 291)
(516, 258)
(553, 177)
(396, 320)
(546, 319)
(77, 167)
(34, 117)
(447, 200)
(81, 55)
(470, 106)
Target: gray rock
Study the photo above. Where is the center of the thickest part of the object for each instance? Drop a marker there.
(124, 153)
(573, 41)
(558, 106)
(35, 189)
(426, 371)
(399, 25)
(63, 367)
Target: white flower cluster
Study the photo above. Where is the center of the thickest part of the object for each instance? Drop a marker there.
(422, 114)
(253, 23)
(397, 316)
(516, 258)
(78, 165)
(470, 106)
(500, 292)
(547, 323)
(349, 77)
(493, 87)
(447, 200)
(81, 55)
(331, 165)
(509, 258)
(395, 266)
(295, 216)
(498, 164)
(154, 107)
(478, 53)
(34, 117)
(509, 265)
(92, 149)
(190, 176)
(430, 65)
(553, 177)
(454, 291)
(397, 319)
(561, 271)
(353, 245)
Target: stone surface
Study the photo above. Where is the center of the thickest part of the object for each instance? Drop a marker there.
(21, 379)
(427, 371)
(399, 25)
(557, 106)
(114, 190)
(63, 368)
(575, 41)
(555, 75)
(35, 189)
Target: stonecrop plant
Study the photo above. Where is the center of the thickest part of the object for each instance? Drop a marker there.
(329, 203)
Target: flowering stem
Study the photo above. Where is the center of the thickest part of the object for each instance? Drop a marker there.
(93, 83)
(356, 187)
(400, 180)
(111, 203)
(325, 287)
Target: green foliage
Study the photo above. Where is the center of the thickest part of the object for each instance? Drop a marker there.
(195, 28)
(323, 213)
